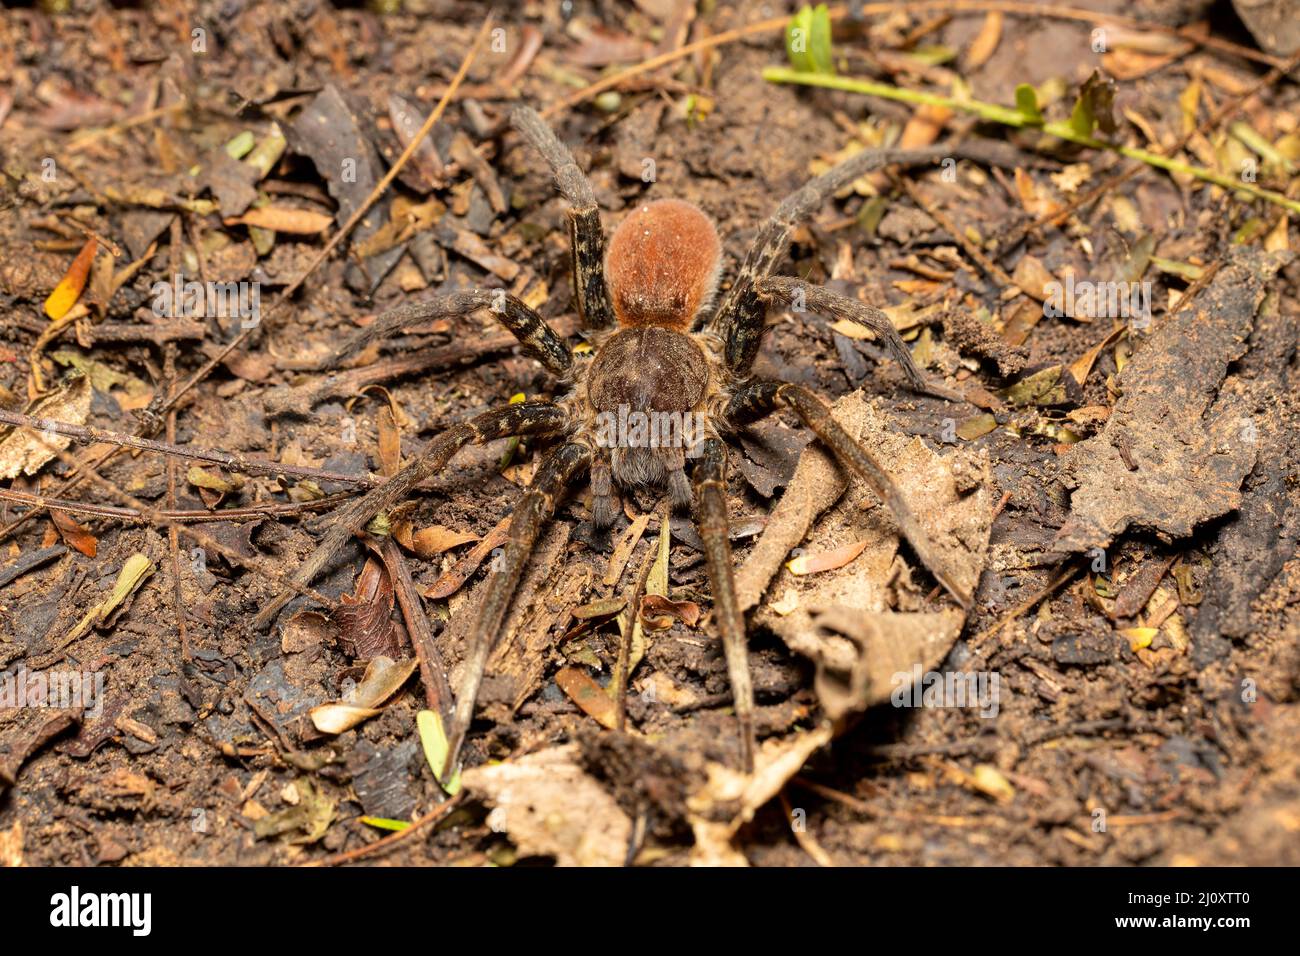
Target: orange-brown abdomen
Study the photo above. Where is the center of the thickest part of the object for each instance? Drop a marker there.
(663, 263)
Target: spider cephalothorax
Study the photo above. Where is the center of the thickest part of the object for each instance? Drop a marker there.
(670, 379)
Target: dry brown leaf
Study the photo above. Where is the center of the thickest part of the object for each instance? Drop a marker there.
(435, 539)
(588, 695)
(383, 678)
(550, 807)
(24, 451)
(77, 536)
(302, 222)
(454, 578)
(826, 560)
(390, 442)
(365, 617)
(657, 612)
(985, 42)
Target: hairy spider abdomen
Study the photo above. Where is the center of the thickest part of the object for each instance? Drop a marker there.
(662, 266)
(648, 369)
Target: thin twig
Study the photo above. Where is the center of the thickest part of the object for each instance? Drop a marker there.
(351, 856)
(433, 674)
(234, 462)
(265, 510)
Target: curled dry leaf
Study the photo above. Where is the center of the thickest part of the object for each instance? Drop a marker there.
(551, 807)
(382, 679)
(365, 617)
(23, 451)
(658, 612)
(729, 799)
(843, 619)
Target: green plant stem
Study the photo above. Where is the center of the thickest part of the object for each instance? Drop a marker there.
(1011, 117)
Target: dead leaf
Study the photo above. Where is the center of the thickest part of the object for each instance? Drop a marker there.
(588, 695)
(134, 570)
(657, 612)
(435, 539)
(390, 443)
(24, 451)
(365, 617)
(985, 42)
(826, 560)
(302, 222)
(453, 579)
(74, 534)
(68, 291)
(382, 679)
(550, 807)
(311, 815)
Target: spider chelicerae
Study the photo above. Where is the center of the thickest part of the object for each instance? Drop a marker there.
(662, 354)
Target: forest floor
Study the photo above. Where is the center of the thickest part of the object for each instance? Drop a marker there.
(1121, 487)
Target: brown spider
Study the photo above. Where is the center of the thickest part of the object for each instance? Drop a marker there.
(662, 353)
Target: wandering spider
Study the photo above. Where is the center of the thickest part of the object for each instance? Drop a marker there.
(660, 350)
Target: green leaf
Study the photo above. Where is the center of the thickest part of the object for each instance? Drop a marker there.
(383, 823)
(808, 40)
(1027, 103)
(433, 737)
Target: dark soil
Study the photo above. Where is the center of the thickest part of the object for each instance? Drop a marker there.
(1103, 751)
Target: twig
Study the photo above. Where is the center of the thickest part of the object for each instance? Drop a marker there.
(205, 541)
(1065, 574)
(1009, 116)
(268, 509)
(351, 856)
(871, 9)
(437, 691)
(803, 837)
(252, 466)
(621, 675)
(991, 268)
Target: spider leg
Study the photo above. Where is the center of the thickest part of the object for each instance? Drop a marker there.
(755, 400)
(817, 299)
(527, 418)
(586, 237)
(710, 478)
(538, 339)
(537, 506)
(739, 320)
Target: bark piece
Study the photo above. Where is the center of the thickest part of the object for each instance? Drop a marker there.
(1186, 442)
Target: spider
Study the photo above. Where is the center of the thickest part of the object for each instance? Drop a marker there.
(663, 352)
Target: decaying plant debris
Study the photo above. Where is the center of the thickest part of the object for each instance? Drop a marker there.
(1117, 492)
